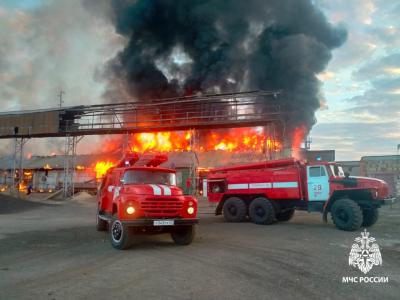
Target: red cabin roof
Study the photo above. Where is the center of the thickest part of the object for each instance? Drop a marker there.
(148, 160)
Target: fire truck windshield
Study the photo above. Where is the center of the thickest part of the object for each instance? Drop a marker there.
(148, 177)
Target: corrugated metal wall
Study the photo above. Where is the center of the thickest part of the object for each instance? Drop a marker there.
(30, 123)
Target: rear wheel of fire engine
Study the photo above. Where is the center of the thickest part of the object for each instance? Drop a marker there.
(370, 216)
(285, 215)
(119, 235)
(101, 225)
(183, 235)
(261, 211)
(234, 209)
(346, 215)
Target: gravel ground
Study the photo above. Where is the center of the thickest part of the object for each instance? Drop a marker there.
(54, 252)
(9, 205)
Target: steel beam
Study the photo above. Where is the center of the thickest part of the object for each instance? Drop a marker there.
(256, 108)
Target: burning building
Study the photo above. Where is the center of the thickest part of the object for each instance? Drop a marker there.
(186, 52)
(184, 48)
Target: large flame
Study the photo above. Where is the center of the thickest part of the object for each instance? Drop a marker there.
(161, 141)
(298, 138)
(240, 139)
(102, 167)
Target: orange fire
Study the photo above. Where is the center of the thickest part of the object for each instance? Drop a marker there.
(161, 141)
(102, 167)
(22, 186)
(240, 139)
(298, 138)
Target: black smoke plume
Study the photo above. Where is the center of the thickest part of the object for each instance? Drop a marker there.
(183, 47)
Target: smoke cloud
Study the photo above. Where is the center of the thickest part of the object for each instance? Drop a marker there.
(53, 46)
(179, 47)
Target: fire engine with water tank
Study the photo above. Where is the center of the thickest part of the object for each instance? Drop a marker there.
(271, 191)
(137, 196)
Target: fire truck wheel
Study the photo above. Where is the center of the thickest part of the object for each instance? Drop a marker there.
(346, 215)
(183, 235)
(370, 216)
(261, 211)
(119, 235)
(285, 215)
(101, 225)
(235, 210)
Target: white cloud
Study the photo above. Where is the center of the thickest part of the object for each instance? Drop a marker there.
(363, 97)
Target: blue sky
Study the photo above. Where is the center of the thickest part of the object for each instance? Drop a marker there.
(360, 89)
(25, 4)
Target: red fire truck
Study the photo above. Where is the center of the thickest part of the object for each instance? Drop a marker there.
(271, 191)
(137, 196)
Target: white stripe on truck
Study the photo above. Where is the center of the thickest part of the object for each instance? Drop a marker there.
(166, 189)
(156, 190)
(260, 185)
(263, 185)
(292, 184)
(238, 186)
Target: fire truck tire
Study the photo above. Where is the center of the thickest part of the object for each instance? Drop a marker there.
(261, 211)
(346, 215)
(119, 235)
(285, 215)
(101, 225)
(234, 209)
(370, 216)
(183, 235)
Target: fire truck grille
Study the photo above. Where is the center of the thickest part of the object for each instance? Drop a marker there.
(161, 207)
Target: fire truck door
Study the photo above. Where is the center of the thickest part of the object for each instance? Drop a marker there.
(107, 193)
(318, 183)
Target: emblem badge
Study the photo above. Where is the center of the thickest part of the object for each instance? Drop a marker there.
(365, 253)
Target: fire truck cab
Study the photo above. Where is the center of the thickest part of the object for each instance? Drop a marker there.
(138, 197)
(271, 191)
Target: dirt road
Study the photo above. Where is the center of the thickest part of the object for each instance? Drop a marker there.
(54, 252)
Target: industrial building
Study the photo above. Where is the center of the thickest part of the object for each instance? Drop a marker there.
(385, 167)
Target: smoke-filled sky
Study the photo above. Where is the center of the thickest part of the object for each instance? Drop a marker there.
(229, 46)
(46, 46)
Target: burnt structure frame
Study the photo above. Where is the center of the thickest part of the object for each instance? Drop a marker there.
(230, 110)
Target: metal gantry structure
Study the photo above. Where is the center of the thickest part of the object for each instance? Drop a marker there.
(229, 110)
(18, 155)
(71, 143)
(185, 113)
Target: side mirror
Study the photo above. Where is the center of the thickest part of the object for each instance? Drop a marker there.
(122, 181)
(346, 174)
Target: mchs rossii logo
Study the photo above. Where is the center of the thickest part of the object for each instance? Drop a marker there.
(364, 255)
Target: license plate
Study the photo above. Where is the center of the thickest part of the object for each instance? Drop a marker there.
(163, 222)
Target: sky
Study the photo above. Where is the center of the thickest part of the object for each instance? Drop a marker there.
(360, 90)
(361, 86)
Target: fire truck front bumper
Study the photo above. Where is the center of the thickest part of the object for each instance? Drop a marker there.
(160, 222)
(389, 201)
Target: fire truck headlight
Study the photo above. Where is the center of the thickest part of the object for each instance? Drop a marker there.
(190, 210)
(130, 210)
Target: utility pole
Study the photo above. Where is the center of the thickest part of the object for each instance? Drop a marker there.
(60, 97)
